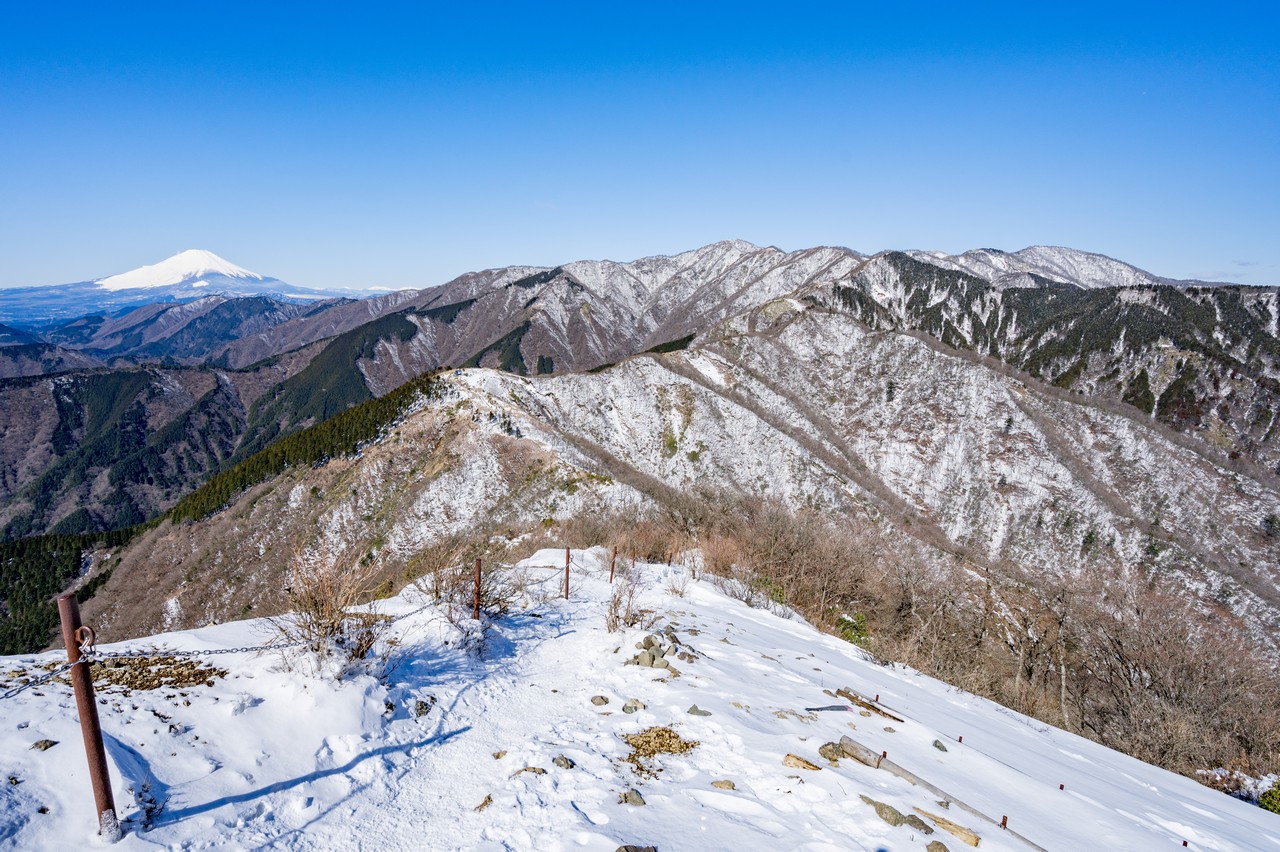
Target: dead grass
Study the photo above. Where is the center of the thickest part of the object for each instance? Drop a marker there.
(652, 742)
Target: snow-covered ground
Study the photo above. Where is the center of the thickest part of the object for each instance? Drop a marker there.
(268, 757)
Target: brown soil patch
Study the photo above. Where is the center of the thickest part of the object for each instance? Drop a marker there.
(652, 742)
(130, 673)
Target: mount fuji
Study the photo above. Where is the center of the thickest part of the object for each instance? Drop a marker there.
(184, 277)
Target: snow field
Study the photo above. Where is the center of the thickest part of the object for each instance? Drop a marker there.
(269, 757)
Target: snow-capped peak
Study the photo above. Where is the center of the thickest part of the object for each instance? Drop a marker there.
(184, 266)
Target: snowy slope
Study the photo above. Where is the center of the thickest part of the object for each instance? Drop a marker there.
(270, 757)
(1083, 269)
(186, 266)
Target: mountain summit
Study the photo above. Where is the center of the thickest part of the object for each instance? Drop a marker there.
(188, 267)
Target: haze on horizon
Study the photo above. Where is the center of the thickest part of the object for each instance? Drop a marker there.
(404, 147)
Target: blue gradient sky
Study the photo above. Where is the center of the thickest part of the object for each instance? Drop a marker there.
(336, 146)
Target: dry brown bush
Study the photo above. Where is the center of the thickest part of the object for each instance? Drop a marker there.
(322, 589)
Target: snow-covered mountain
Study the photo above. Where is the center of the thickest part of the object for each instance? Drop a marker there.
(1038, 266)
(184, 277)
(194, 267)
(550, 740)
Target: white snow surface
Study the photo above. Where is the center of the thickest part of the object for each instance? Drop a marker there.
(269, 757)
(189, 265)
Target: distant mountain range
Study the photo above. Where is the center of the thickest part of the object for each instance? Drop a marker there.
(187, 276)
(107, 420)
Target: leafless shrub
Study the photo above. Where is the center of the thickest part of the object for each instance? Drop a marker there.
(623, 611)
(322, 590)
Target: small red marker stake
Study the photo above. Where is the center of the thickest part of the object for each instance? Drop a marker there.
(1062, 786)
(877, 698)
(962, 738)
(1004, 822)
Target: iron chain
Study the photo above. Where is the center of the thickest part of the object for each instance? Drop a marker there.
(45, 678)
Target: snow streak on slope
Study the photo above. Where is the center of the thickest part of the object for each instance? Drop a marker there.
(184, 266)
(270, 757)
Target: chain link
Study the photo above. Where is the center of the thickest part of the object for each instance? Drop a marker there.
(45, 678)
(90, 654)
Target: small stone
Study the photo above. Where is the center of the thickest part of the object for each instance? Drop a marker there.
(536, 770)
(599, 700)
(919, 824)
(695, 710)
(886, 812)
(631, 797)
(645, 658)
(14, 780)
(936, 846)
(660, 663)
(647, 642)
(422, 707)
(633, 705)
(889, 730)
(43, 745)
(673, 671)
(685, 657)
(563, 762)
(498, 755)
(488, 800)
(795, 761)
(640, 646)
(725, 784)
(864, 712)
(939, 746)
(831, 751)
(633, 848)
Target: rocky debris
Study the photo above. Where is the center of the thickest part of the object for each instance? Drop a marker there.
(536, 770)
(498, 755)
(631, 797)
(831, 752)
(422, 707)
(695, 710)
(919, 824)
(936, 846)
(939, 746)
(632, 848)
(563, 762)
(154, 672)
(652, 742)
(43, 745)
(795, 761)
(657, 649)
(889, 730)
(14, 780)
(599, 700)
(864, 712)
(633, 705)
(488, 800)
(966, 835)
(724, 784)
(885, 811)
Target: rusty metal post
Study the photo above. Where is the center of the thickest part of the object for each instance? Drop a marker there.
(1004, 822)
(87, 710)
(613, 562)
(566, 573)
(476, 606)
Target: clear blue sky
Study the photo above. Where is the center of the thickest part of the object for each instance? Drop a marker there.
(348, 145)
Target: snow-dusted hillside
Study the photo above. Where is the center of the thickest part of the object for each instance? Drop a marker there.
(447, 751)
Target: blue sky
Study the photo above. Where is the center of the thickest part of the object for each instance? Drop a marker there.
(352, 146)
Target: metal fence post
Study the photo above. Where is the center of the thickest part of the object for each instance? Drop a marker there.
(87, 710)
